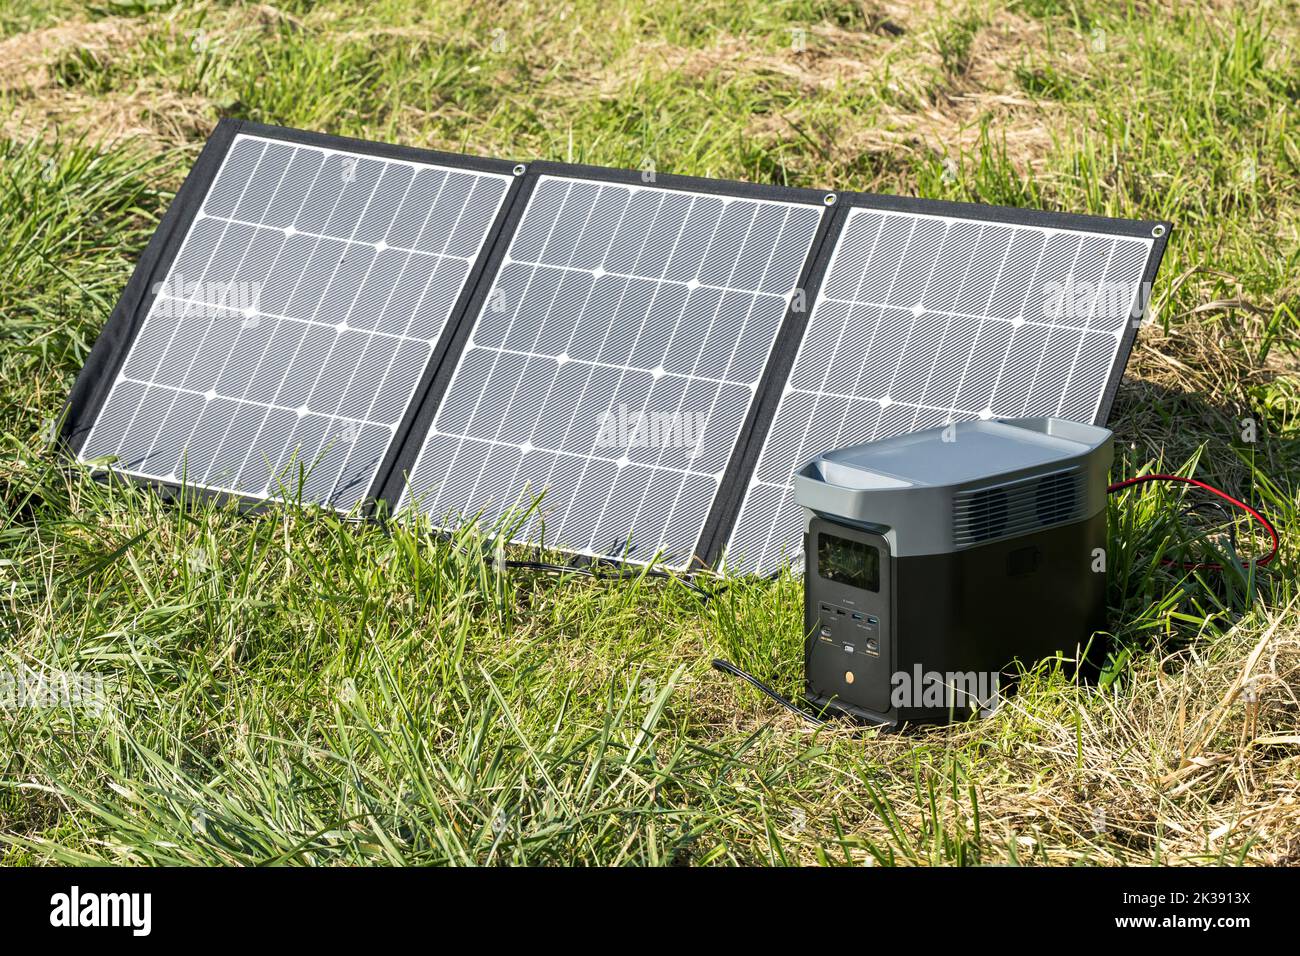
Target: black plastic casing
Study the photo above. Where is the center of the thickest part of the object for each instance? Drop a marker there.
(979, 610)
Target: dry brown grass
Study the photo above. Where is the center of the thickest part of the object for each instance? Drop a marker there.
(917, 104)
(43, 108)
(152, 108)
(151, 112)
(1196, 761)
(27, 59)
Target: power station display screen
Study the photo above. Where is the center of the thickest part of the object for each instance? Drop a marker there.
(853, 563)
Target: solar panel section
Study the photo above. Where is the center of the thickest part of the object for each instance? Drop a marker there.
(292, 328)
(613, 365)
(926, 319)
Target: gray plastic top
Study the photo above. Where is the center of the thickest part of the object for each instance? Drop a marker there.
(917, 488)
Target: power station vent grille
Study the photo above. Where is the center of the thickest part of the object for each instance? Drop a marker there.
(1017, 507)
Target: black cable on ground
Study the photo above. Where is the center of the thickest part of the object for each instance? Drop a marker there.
(727, 667)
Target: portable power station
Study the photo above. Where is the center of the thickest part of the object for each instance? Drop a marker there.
(936, 559)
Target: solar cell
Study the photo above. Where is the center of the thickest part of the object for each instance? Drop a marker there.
(926, 319)
(285, 343)
(340, 322)
(613, 365)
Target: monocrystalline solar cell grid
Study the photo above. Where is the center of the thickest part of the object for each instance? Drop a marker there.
(339, 322)
(926, 319)
(289, 335)
(613, 364)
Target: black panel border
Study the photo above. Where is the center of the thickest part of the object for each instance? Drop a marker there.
(428, 407)
(90, 390)
(741, 468)
(741, 471)
(105, 359)
(118, 334)
(1157, 230)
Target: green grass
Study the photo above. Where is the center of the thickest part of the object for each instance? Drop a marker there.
(294, 688)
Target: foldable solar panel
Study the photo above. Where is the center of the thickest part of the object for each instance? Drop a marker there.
(293, 304)
(615, 360)
(345, 323)
(930, 313)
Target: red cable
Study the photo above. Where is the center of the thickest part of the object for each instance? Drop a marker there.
(1211, 565)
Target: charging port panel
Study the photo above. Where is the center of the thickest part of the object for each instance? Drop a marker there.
(847, 585)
